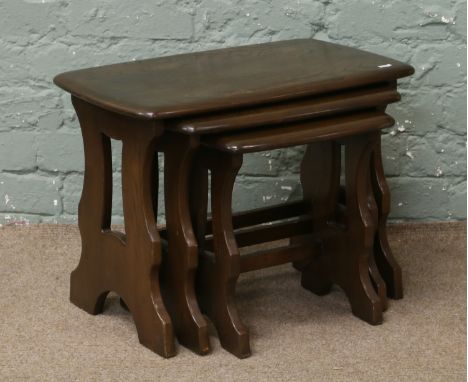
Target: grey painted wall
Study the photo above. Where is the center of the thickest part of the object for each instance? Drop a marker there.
(41, 158)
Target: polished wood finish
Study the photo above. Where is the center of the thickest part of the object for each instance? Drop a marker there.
(217, 279)
(204, 111)
(385, 271)
(266, 214)
(180, 263)
(322, 160)
(274, 231)
(273, 257)
(129, 263)
(325, 251)
(384, 259)
(345, 260)
(299, 133)
(311, 107)
(221, 79)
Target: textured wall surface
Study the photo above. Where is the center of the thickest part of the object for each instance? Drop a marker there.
(41, 157)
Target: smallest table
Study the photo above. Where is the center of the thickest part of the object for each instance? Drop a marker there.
(182, 103)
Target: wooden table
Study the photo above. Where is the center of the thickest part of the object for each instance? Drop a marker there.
(171, 104)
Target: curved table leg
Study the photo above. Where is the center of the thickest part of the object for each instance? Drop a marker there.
(376, 277)
(387, 264)
(352, 274)
(180, 265)
(218, 275)
(127, 264)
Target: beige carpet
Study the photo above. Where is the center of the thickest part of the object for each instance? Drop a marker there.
(295, 335)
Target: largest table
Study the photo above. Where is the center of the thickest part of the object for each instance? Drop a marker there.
(158, 105)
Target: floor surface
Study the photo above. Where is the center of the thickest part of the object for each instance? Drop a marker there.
(295, 335)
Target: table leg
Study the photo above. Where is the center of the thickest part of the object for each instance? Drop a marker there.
(352, 272)
(199, 201)
(374, 272)
(385, 261)
(180, 265)
(125, 263)
(218, 275)
(320, 180)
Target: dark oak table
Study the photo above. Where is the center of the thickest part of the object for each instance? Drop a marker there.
(204, 110)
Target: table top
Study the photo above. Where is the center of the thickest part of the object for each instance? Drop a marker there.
(299, 133)
(187, 84)
(312, 108)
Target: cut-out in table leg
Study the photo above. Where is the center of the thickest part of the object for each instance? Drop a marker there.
(87, 289)
(352, 265)
(376, 277)
(386, 262)
(180, 264)
(217, 277)
(127, 264)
